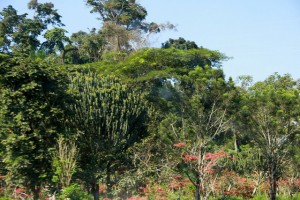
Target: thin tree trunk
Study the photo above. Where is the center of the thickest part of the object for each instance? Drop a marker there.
(272, 180)
(36, 192)
(108, 181)
(197, 195)
(236, 143)
(95, 191)
(118, 44)
(273, 189)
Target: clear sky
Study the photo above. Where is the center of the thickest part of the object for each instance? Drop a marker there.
(261, 36)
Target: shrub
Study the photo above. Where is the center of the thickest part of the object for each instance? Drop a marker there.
(74, 192)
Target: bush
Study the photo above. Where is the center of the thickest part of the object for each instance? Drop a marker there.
(260, 197)
(74, 192)
(295, 197)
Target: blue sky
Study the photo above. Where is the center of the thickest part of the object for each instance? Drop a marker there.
(261, 36)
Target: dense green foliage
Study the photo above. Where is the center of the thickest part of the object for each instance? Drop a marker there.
(99, 115)
(19, 33)
(31, 115)
(180, 43)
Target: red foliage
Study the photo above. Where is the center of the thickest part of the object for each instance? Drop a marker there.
(102, 189)
(21, 193)
(178, 177)
(214, 156)
(179, 183)
(160, 191)
(19, 190)
(289, 184)
(189, 158)
(210, 170)
(240, 186)
(143, 191)
(180, 144)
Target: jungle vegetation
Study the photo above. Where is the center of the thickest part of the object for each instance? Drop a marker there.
(100, 115)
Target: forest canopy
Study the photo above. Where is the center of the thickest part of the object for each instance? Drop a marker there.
(101, 115)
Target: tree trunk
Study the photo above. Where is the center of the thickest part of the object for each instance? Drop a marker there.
(272, 180)
(273, 188)
(118, 44)
(95, 191)
(36, 192)
(108, 181)
(197, 195)
(236, 143)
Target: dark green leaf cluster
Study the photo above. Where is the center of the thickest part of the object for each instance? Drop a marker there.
(179, 43)
(31, 115)
(20, 33)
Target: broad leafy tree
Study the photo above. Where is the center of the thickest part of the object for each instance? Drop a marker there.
(45, 13)
(32, 108)
(90, 46)
(20, 33)
(167, 63)
(184, 90)
(17, 31)
(8, 26)
(56, 40)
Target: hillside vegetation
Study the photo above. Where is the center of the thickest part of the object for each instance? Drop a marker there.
(99, 115)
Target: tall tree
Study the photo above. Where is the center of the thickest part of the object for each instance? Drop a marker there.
(90, 46)
(127, 13)
(20, 33)
(9, 25)
(45, 13)
(205, 114)
(56, 41)
(117, 37)
(124, 23)
(273, 118)
(159, 72)
(110, 117)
